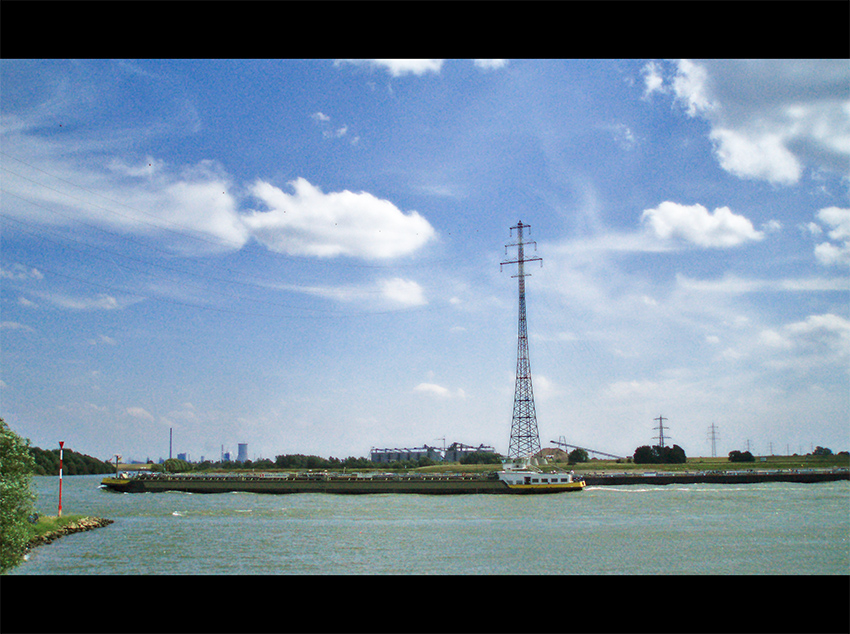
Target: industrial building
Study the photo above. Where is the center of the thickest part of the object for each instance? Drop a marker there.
(453, 453)
(415, 453)
(456, 451)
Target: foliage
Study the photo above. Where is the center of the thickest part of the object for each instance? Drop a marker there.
(659, 455)
(16, 499)
(481, 457)
(577, 455)
(73, 463)
(741, 456)
(822, 451)
(300, 461)
(175, 465)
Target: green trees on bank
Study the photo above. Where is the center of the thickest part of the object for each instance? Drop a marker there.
(16, 499)
(741, 456)
(659, 455)
(46, 462)
(577, 456)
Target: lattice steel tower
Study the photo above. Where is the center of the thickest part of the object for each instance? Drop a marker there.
(525, 439)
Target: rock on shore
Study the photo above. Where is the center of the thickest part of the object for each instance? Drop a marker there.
(84, 524)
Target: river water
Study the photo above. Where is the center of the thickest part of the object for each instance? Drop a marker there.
(697, 529)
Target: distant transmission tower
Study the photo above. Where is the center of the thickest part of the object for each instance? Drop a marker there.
(661, 429)
(712, 435)
(525, 439)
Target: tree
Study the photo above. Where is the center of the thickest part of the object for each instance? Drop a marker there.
(175, 465)
(16, 499)
(660, 455)
(675, 455)
(741, 456)
(577, 455)
(480, 457)
(645, 455)
(822, 451)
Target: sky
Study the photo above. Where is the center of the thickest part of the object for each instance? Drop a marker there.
(304, 255)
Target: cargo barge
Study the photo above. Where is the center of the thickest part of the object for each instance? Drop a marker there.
(509, 481)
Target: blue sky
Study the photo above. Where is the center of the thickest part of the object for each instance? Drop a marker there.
(303, 255)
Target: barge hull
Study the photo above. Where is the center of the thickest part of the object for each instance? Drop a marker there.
(345, 487)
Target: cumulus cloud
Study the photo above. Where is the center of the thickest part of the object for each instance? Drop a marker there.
(310, 222)
(695, 224)
(403, 292)
(838, 220)
(769, 118)
(818, 339)
(653, 80)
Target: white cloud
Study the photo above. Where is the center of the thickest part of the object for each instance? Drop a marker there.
(310, 222)
(20, 272)
(102, 339)
(140, 413)
(403, 292)
(101, 301)
(398, 67)
(491, 64)
(828, 253)
(814, 342)
(653, 80)
(439, 391)
(191, 207)
(769, 118)
(381, 295)
(695, 224)
(14, 325)
(737, 285)
(690, 87)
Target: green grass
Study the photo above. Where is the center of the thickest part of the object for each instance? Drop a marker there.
(49, 523)
(693, 464)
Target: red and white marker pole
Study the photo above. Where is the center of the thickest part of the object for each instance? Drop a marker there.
(61, 449)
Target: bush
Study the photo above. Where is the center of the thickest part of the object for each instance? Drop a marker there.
(481, 457)
(576, 456)
(660, 455)
(739, 456)
(16, 499)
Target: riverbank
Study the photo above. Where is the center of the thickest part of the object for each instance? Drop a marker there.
(49, 528)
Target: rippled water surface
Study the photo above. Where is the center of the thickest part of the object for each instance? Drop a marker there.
(776, 528)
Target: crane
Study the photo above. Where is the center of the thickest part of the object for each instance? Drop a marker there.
(560, 443)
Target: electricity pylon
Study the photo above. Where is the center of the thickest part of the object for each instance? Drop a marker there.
(712, 434)
(661, 428)
(525, 439)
